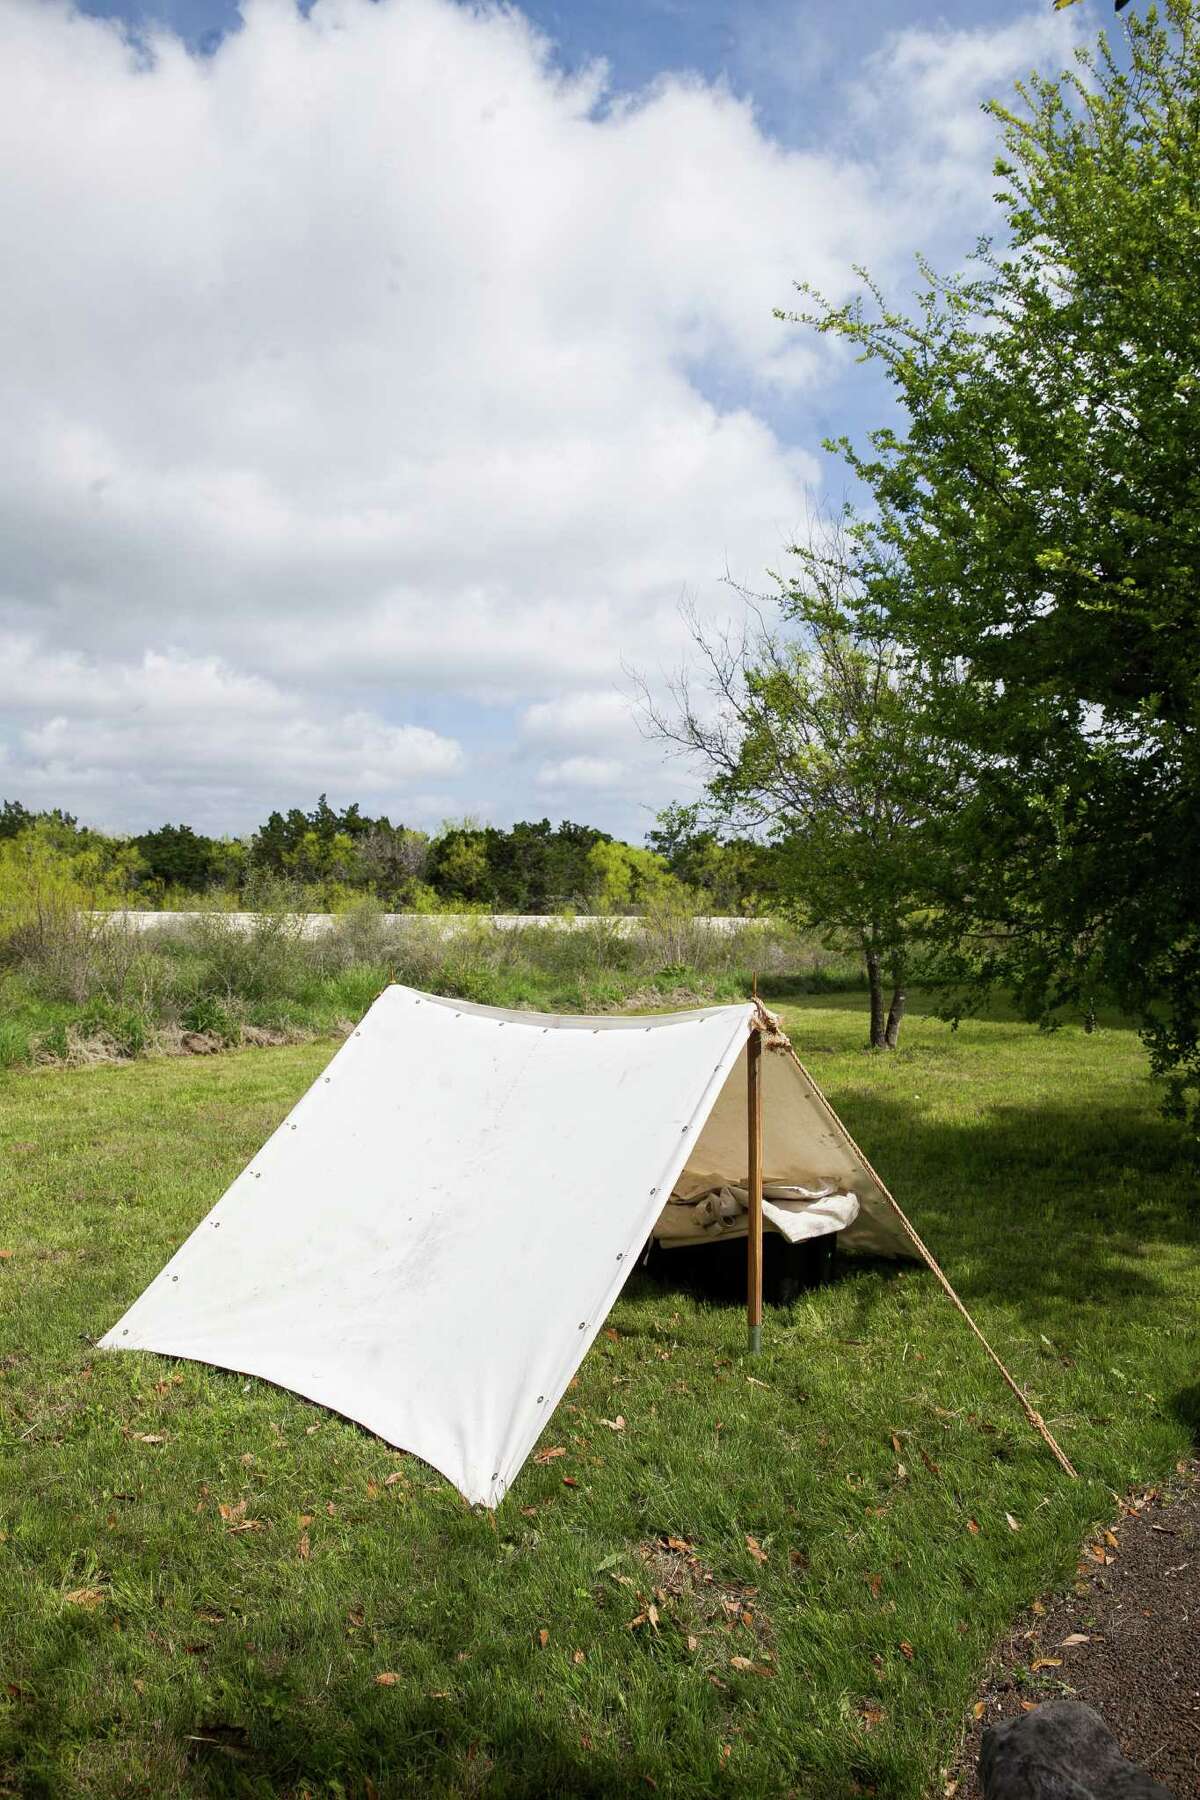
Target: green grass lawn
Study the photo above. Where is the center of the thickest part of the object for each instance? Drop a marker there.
(203, 1579)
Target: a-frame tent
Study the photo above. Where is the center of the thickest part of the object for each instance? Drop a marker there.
(432, 1238)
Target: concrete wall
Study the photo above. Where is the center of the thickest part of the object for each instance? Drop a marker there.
(445, 924)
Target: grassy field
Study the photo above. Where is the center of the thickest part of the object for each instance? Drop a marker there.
(208, 1586)
(90, 989)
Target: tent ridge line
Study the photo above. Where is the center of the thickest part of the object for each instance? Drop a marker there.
(781, 1042)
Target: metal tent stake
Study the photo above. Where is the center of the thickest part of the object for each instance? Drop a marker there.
(754, 1231)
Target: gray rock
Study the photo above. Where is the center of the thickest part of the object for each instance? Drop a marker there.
(1063, 1751)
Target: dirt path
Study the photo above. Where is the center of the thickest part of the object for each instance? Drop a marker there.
(1126, 1639)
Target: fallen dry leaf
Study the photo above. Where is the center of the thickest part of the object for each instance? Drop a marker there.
(973, 1527)
(680, 1544)
(306, 1520)
(740, 1662)
(1038, 1608)
(874, 1582)
(978, 1710)
(577, 1656)
(302, 1548)
(896, 1444)
(387, 1679)
(726, 1752)
(1029, 1705)
(615, 1336)
(1045, 1662)
(934, 1468)
(756, 1550)
(543, 1637)
(545, 1456)
(1013, 1525)
(569, 1481)
(871, 1713)
(229, 1513)
(85, 1597)
(652, 1615)
(617, 1424)
(755, 1382)
(693, 1643)
(148, 1437)
(906, 1650)
(1110, 1537)
(1075, 1637)
(634, 1623)
(331, 1509)
(394, 1477)
(5, 1255)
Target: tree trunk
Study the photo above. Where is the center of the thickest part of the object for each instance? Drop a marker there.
(875, 978)
(891, 1036)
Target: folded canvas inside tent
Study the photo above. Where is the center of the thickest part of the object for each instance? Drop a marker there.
(432, 1238)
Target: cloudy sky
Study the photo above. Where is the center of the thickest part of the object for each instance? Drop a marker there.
(377, 377)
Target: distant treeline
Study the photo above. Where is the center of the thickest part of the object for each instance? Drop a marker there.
(329, 858)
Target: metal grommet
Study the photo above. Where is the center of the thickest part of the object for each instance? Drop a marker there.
(653, 1191)
(620, 1256)
(174, 1278)
(540, 1398)
(125, 1333)
(583, 1324)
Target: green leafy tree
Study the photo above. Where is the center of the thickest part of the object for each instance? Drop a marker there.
(393, 859)
(458, 865)
(14, 818)
(730, 875)
(812, 737)
(177, 856)
(622, 878)
(1035, 543)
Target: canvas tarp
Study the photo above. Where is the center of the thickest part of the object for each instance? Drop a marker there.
(803, 1143)
(434, 1235)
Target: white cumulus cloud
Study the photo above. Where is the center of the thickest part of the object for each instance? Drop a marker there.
(372, 392)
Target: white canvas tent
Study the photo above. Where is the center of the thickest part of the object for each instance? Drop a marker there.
(434, 1235)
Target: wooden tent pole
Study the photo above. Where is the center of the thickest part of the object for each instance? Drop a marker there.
(754, 1230)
